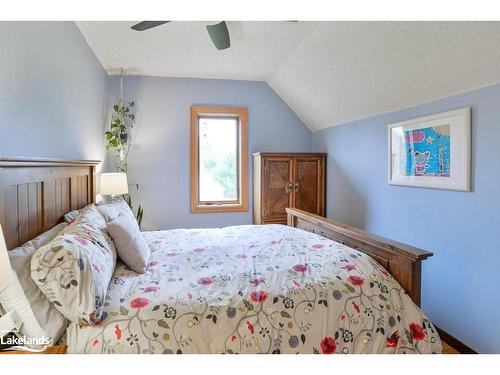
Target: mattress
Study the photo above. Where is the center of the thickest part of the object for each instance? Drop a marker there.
(255, 289)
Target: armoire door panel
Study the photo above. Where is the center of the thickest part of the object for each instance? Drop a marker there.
(276, 188)
(308, 185)
(287, 179)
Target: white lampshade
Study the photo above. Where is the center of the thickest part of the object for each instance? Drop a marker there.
(5, 268)
(113, 184)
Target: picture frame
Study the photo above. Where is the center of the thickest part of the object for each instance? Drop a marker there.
(431, 151)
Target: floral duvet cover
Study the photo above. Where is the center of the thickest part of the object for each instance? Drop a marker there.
(255, 289)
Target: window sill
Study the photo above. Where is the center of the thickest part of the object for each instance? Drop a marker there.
(219, 208)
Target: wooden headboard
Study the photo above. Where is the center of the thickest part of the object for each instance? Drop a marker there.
(36, 193)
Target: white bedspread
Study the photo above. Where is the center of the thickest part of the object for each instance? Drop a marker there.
(255, 289)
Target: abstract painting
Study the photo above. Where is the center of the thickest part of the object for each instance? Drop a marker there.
(431, 151)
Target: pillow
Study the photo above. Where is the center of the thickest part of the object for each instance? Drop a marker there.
(112, 209)
(71, 216)
(50, 319)
(44, 238)
(75, 268)
(130, 244)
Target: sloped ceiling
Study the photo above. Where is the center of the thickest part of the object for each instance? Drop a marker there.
(329, 73)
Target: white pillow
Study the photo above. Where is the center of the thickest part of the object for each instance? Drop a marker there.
(75, 268)
(49, 318)
(112, 209)
(130, 244)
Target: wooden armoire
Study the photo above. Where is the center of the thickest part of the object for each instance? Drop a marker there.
(282, 180)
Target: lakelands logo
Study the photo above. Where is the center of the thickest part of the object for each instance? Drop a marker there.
(24, 343)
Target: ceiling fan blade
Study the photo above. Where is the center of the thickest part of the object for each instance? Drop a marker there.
(145, 25)
(219, 35)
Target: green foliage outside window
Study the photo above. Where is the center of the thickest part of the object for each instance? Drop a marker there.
(224, 173)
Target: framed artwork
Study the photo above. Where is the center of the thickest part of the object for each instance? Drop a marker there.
(432, 151)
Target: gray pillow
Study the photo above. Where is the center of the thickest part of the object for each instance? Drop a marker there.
(49, 318)
(112, 209)
(130, 244)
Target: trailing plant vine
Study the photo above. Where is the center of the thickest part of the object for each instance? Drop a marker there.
(119, 141)
(118, 138)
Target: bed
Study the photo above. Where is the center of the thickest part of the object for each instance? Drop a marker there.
(314, 286)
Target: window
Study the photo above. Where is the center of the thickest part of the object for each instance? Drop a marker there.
(219, 159)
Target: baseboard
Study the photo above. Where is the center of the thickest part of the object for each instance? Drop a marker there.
(455, 343)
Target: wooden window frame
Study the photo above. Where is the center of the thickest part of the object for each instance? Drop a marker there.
(242, 115)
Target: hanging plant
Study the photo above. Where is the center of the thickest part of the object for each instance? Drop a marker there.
(118, 137)
(119, 141)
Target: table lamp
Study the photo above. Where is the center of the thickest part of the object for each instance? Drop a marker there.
(113, 184)
(18, 316)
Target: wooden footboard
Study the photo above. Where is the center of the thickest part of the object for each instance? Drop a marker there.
(404, 262)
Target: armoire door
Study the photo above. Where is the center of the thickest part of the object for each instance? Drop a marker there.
(309, 184)
(276, 188)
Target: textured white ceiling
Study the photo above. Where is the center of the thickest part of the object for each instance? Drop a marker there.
(329, 73)
(184, 49)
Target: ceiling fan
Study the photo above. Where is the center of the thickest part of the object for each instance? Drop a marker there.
(218, 33)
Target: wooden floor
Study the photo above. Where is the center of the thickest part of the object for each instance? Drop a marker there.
(447, 349)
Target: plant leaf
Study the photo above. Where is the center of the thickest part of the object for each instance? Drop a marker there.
(161, 323)
(123, 310)
(284, 314)
(408, 336)
(248, 305)
(349, 287)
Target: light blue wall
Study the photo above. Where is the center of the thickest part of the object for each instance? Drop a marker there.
(52, 92)
(461, 281)
(159, 159)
